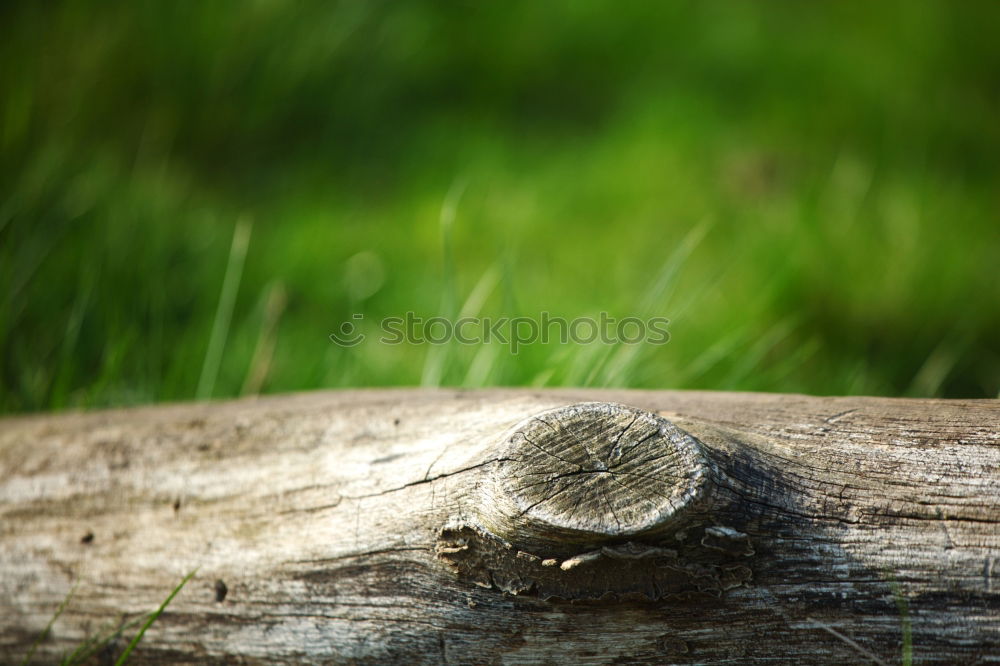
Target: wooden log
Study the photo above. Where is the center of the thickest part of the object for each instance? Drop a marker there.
(414, 526)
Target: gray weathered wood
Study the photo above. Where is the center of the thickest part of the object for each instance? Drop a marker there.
(590, 473)
(357, 527)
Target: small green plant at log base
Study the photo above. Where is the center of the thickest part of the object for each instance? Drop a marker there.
(904, 615)
(97, 643)
(151, 619)
(92, 645)
(48, 627)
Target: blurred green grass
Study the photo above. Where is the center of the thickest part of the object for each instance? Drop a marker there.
(809, 191)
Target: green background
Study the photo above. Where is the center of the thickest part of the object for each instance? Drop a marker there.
(808, 191)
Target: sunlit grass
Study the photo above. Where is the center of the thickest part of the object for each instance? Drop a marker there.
(837, 167)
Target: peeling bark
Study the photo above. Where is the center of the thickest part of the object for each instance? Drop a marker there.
(357, 527)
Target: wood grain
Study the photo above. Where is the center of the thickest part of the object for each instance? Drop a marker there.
(316, 523)
(591, 473)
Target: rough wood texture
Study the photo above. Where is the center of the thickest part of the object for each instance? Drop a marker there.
(598, 501)
(589, 474)
(348, 527)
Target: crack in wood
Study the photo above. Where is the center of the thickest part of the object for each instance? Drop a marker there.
(419, 482)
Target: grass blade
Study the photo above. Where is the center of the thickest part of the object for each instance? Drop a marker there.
(224, 312)
(48, 627)
(152, 618)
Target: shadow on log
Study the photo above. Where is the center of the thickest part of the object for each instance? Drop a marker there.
(508, 526)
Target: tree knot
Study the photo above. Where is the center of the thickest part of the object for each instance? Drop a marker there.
(592, 473)
(596, 500)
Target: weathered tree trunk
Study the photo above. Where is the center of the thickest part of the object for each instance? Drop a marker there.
(413, 526)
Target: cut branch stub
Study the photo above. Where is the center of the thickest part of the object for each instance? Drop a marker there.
(593, 474)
